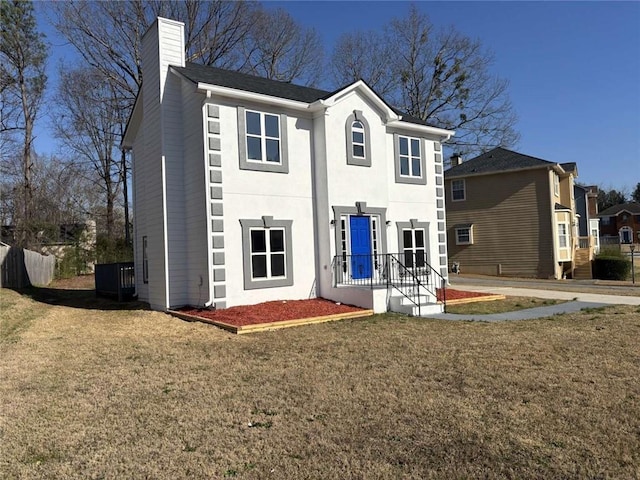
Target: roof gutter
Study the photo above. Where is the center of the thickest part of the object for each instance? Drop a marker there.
(254, 97)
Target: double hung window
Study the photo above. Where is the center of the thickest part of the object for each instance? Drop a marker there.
(458, 192)
(409, 156)
(262, 141)
(357, 139)
(410, 163)
(414, 251)
(464, 235)
(267, 252)
(263, 137)
(563, 235)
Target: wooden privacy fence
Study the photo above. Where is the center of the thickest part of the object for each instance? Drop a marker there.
(22, 268)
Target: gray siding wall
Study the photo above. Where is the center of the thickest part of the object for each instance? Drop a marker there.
(195, 188)
(512, 220)
(149, 197)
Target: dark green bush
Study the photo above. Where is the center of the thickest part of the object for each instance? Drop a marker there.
(109, 250)
(611, 268)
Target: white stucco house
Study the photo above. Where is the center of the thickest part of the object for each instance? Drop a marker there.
(247, 190)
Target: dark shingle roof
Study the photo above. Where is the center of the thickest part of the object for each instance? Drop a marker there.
(631, 207)
(250, 83)
(559, 206)
(497, 160)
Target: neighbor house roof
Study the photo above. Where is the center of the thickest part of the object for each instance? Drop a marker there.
(630, 207)
(497, 160)
(250, 83)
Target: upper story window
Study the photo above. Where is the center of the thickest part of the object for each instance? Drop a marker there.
(357, 137)
(263, 137)
(409, 160)
(357, 134)
(409, 157)
(458, 191)
(605, 220)
(262, 140)
(556, 184)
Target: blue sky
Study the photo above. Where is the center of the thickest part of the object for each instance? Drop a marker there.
(573, 68)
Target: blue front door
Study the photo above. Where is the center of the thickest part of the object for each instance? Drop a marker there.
(360, 247)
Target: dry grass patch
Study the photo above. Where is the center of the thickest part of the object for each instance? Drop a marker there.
(509, 304)
(139, 394)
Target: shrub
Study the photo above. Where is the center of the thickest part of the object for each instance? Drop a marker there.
(109, 250)
(611, 267)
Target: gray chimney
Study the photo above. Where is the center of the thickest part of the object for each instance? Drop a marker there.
(456, 159)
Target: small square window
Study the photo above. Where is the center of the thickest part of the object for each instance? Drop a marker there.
(464, 235)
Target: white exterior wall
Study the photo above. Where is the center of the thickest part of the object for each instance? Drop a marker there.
(253, 194)
(190, 193)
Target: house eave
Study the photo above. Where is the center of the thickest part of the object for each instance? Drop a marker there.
(500, 172)
(133, 123)
(444, 134)
(251, 96)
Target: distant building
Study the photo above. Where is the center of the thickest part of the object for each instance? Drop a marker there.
(621, 223)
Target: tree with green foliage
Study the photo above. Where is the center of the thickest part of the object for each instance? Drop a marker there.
(23, 54)
(609, 198)
(636, 193)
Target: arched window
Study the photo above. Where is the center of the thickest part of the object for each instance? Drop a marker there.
(358, 141)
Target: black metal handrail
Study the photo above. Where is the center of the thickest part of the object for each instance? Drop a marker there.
(115, 279)
(401, 271)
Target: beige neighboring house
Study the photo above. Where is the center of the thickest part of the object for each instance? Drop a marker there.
(514, 215)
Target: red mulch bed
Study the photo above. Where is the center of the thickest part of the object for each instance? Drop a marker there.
(275, 311)
(459, 294)
(281, 310)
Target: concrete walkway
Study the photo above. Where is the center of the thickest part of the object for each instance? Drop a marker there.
(577, 300)
(515, 291)
(526, 314)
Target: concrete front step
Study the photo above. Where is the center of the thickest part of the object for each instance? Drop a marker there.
(401, 304)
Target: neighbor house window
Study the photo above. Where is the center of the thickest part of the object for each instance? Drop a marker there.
(262, 141)
(563, 235)
(556, 184)
(358, 143)
(464, 234)
(266, 245)
(606, 220)
(409, 160)
(458, 192)
(145, 261)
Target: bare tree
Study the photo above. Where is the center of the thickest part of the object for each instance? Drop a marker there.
(108, 35)
(364, 55)
(441, 77)
(88, 123)
(277, 47)
(22, 83)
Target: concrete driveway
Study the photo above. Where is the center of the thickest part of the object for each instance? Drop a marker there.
(589, 291)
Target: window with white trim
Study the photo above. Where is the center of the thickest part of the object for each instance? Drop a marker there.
(145, 261)
(464, 235)
(267, 253)
(409, 156)
(556, 184)
(409, 160)
(357, 139)
(262, 141)
(414, 247)
(266, 246)
(458, 191)
(263, 137)
(563, 235)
